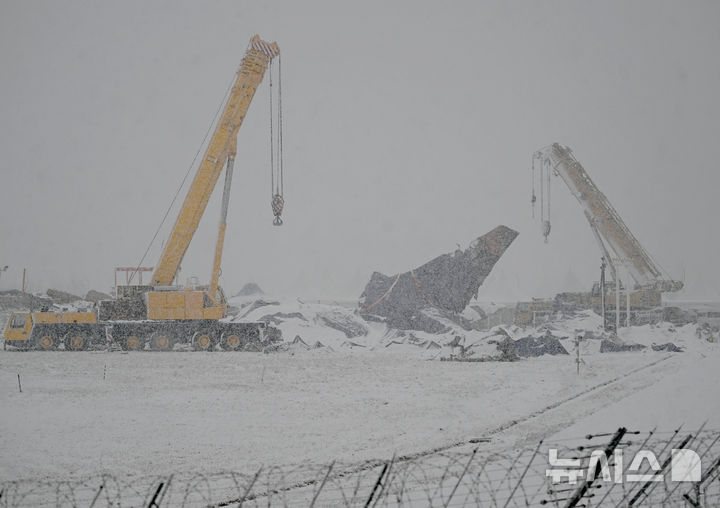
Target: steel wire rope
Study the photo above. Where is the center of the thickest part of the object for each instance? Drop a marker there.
(187, 173)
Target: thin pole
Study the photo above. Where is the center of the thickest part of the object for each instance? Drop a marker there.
(522, 476)
(447, 501)
(627, 306)
(23, 285)
(602, 293)
(317, 494)
(377, 484)
(617, 302)
(577, 353)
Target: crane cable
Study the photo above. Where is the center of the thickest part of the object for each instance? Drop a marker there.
(533, 198)
(277, 200)
(187, 173)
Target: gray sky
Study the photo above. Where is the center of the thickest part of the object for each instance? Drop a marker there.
(408, 129)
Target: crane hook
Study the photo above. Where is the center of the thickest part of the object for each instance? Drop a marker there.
(277, 207)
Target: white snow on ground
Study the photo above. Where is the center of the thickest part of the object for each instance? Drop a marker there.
(216, 411)
(366, 397)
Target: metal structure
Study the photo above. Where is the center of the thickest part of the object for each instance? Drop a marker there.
(161, 314)
(128, 270)
(620, 250)
(618, 245)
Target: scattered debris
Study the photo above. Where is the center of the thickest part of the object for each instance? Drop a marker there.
(280, 317)
(96, 296)
(548, 344)
(255, 304)
(669, 347)
(61, 296)
(297, 344)
(344, 323)
(608, 346)
(508, 350)
(350, 344)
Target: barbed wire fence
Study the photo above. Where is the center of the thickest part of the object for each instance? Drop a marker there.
(603, 467)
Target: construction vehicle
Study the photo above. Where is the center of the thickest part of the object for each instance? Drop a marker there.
(535, 312)
(161, 314)
(631, 268)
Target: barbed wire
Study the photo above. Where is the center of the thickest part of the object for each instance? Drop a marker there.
(467, 476)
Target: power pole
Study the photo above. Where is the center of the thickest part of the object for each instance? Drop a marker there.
(3, 269)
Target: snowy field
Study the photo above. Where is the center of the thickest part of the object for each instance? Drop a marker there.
(88, 412)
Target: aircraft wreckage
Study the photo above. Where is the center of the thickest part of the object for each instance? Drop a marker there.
(441, 286)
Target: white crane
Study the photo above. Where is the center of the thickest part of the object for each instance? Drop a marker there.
(618, 246)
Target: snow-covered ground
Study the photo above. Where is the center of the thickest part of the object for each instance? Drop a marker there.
(181, 411)
(350, 390)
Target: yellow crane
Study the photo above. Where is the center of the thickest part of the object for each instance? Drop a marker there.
(161, 314)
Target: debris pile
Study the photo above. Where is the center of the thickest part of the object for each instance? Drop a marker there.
(444, 285)
(548, 344)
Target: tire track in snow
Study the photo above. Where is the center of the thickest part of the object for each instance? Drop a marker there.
(504, 445)
(537, 435)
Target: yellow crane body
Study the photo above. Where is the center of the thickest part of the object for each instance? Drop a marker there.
(160, 314)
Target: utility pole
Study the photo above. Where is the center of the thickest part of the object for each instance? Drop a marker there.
(3, 269)
(23, 284)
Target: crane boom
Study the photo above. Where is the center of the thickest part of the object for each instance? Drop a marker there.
(616, 241)
(221, 146)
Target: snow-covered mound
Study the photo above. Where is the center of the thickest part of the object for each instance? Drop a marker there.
(307, 326)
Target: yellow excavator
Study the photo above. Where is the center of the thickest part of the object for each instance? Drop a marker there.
(160, 315)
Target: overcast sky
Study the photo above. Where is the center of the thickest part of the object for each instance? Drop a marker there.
(409, 128)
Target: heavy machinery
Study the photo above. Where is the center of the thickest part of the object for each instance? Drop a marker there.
(631, 267)
(161, 314)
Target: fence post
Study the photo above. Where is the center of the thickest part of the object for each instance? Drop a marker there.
(447, 502)
(695, 502)
(249, 488)
(97, 495)
(385, 482)
(696, 487)
(377, 484)
(312, 503)
(580, 492)
(167, 487)
(153, 504)
(636, 497)
(523, 475)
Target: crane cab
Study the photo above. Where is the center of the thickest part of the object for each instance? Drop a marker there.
(48, 330)
(18, 329)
